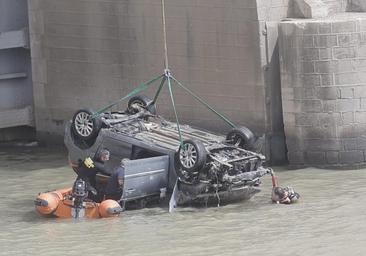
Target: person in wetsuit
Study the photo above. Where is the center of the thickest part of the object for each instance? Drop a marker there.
(114, 188)
(284, 195)
(87, 170)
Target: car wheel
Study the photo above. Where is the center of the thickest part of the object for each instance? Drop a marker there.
(241, 137)
(85, 127)
(192, 156)
(142, 101)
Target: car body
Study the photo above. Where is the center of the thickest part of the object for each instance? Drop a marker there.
(205, 167)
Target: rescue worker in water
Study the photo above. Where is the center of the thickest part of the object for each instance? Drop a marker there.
(285, 195)
(87, 170)
(281, 195)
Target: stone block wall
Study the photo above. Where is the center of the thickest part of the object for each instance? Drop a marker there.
(270, 13)
(323, 74)
(316, 8)
(336, 6)
(356, 5)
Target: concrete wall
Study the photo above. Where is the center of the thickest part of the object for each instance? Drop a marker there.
(336, 6)
(89, 53)
(356, 5)
(15, 69)
(323, 89)
(269, 15)
(319, 8)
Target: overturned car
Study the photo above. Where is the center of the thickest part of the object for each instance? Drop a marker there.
(202, 166)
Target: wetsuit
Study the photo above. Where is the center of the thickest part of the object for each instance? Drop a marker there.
(114, 188)
(87, 170)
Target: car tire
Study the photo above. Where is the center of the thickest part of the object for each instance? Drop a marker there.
(83, 127)
(143, 101)
(241, 137)
(192, 156)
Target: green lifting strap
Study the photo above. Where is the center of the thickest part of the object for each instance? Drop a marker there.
(132, 93)
(175, 110)
(159, 89)
(226, 120)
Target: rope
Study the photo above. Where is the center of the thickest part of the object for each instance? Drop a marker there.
(226, 120)
(132, 93)
(164, 35)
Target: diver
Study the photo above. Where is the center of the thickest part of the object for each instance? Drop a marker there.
(87, 170)
(281, 195)
(114, 187)
(285, 195)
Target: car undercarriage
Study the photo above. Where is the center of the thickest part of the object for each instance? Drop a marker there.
(206, 164)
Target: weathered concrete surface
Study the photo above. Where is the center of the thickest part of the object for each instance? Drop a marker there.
(15, 70)
(20, 133)
(269, 15)
(89, 53)
(311, 9)
(356, 6)
(332, 6)
(323, 89)
(336, 6)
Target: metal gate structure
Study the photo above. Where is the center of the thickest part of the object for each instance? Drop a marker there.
(16, 94)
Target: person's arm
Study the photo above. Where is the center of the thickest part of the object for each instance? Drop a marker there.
(120, 183)
(72, 164)
(285, 201)
(75, 166)
(120, 176)
(100, 167)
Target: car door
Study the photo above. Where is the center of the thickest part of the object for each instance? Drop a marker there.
(145, 177)
(118, 149)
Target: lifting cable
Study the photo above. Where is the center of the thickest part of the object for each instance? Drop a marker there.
(166, 77)
(167, 73)
(166, 62)
(130, 94)
(225, 119)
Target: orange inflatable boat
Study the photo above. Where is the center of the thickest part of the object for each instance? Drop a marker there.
(63, 203)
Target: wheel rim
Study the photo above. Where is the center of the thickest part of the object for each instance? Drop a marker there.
(188, 156)
(237, 141)
(141, 104)
(138, 103)
(83, 124)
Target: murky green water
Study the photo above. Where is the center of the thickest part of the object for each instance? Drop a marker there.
(329, 220)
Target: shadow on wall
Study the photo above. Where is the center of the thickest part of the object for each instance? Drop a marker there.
(20, 133)
(276, 144)
(356, 6)
(323, 8)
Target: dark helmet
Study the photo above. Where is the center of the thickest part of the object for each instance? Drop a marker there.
(280, 192)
